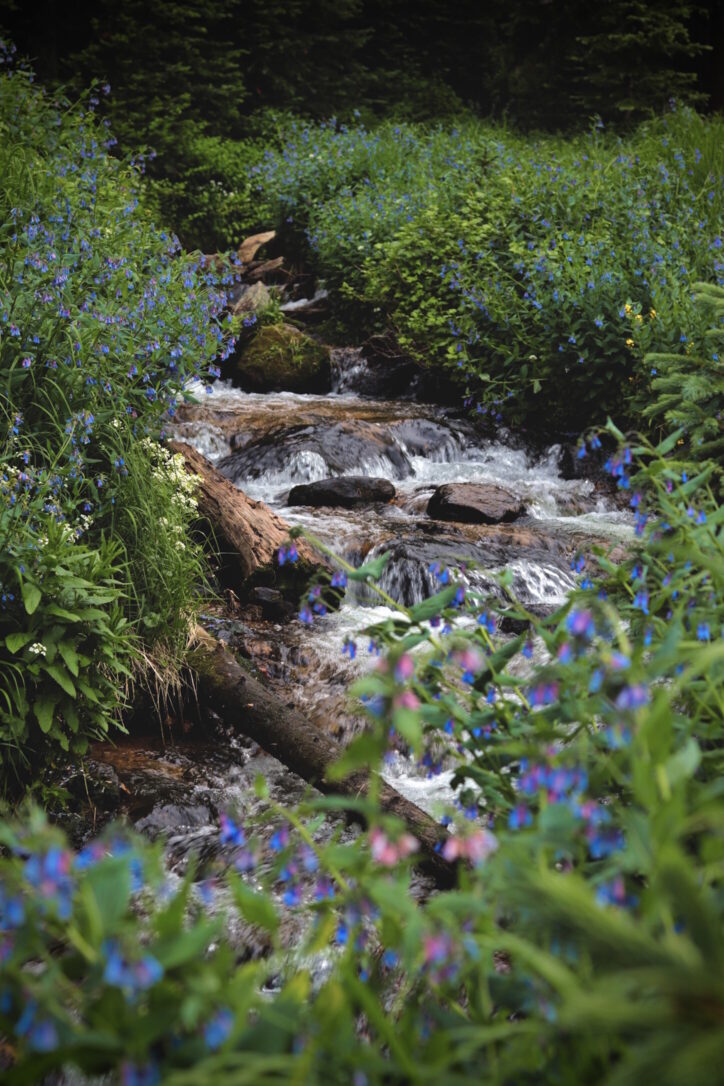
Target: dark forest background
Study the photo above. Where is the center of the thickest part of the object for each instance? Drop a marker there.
(208, 86)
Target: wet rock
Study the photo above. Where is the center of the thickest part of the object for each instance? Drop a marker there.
(254, 299)
(97, 784)
(280, 358)
(174, 818)
(273, 605)
(474, 503)
(345, 491)
(307, 453)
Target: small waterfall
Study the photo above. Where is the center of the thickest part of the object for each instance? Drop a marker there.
(350, 371)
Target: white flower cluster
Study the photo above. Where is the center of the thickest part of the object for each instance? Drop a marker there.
(169, 468)
(37, 648)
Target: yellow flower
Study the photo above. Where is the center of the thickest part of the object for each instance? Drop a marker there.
(627, 309)
(638, 318)
(629, 343)
(652, 313)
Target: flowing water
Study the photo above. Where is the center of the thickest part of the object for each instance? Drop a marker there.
(266, 444)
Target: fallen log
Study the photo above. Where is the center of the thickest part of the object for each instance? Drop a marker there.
(250, 246)
(242, 702)
(247, 533)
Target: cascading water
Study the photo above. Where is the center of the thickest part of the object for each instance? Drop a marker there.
(266, 444)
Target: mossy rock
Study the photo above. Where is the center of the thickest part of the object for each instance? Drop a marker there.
(280, 358)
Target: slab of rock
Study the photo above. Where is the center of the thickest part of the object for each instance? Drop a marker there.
(253, 299)
(280, 358)
(474, 503)
(345, 491)
(322, 449)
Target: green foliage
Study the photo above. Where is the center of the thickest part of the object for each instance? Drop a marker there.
(102, 323)
(529, 268)
(690, 386)
(584, 939)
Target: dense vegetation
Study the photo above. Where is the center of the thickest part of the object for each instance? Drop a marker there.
(101, 322)
(204, 86)
(540, 271)
(584, 940)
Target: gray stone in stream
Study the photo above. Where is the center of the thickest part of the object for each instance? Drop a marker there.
(346, 491)
(474, 503)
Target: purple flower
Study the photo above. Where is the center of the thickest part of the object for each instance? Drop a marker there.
(218, 1029)
(632, 697)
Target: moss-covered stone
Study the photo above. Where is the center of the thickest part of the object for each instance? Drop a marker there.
(280, 358)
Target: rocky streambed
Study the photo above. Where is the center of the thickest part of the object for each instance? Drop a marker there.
(365, 476)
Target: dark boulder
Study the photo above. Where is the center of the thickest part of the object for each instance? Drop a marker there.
(345, 491)
(474, 503)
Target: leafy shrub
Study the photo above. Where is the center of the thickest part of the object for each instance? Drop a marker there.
(515, 262)
(102, 323)
(690, 386)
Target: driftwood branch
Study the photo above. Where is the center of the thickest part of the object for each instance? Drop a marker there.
(242, 702)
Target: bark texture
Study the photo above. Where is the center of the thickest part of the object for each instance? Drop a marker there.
(247, 532)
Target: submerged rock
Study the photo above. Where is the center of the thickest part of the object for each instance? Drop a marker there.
(474, 503)
(345, 491)
(280, 358)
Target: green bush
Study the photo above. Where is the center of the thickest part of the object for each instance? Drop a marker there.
(516, 263)
(102, 324)
(689, 386)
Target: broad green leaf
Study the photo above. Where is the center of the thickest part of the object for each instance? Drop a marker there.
(17, 641)
(70, 656)
(255, 907)
(421, 612)
(44, 708)
(31, 596)
(61, 677)
(372, 570)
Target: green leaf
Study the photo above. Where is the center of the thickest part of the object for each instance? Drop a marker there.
(44, 708)
(61, 677)
(255, 907)
(60, 612)
(70, 656)
(371, 570)
(17, 641)
(669, 442)
(432, 606)
(31, 596)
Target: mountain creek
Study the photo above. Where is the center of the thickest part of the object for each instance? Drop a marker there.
(174, 785)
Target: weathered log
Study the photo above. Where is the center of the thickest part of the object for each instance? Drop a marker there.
(250, 246)
(247, 532)
(242, 702)
(267, 269)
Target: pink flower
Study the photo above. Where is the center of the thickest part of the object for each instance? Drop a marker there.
(388, 853)
(407, 700)
(476, 847)
(404, 668)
